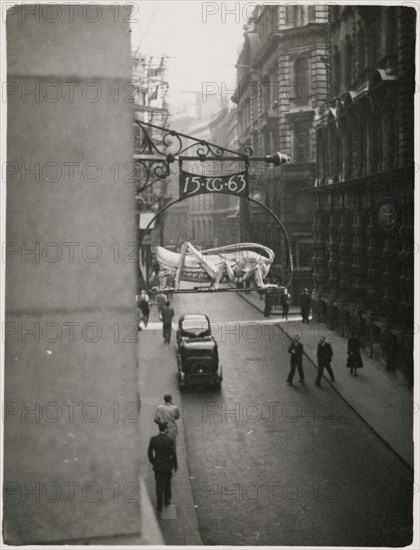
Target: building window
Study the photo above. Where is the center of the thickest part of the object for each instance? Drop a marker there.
(255, 144)
(267, 142)
(348, 62)
(301, 74)
(336, 73)
(294, 15)
(361, 50)
(361, 153)
(373, 24)
(348, 159)
(322, 154)
(301, 142)
(391, 30)
(266, 92)
(335, 161)
(311, 14)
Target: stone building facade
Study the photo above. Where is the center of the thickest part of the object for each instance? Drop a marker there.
(281, 81)
(364, 191)
(71, 271)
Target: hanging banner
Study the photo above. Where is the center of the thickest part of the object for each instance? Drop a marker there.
(193, 184)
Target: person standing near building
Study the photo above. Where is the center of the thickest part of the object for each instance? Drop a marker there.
(354, 359)
(161, 301)
(269, 302)
(144, 306)
(285, 303)
(168, 413)
(139, 316)
(324, 355)
(162, 456)
(305, 305)
(167, 316)
(296, 356)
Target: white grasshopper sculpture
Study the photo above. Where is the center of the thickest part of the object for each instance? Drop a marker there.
(234, 263)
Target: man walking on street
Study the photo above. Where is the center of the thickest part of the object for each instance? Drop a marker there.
(167, 316)
(161, 301)
(324, 355)
(162, 456)
(296, 353)
(305, 306)
(169, 414)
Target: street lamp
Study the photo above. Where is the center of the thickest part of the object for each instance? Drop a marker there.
(277, 159)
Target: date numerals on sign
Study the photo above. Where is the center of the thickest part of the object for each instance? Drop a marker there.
(190, 184)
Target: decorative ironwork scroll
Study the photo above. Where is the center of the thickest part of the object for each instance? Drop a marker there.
(157, 148)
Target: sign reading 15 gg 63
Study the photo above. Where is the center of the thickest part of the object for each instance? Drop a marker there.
(193, 184)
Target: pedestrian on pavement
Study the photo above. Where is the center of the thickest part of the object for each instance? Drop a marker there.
(144, 306)
(354, 358)
(167, 316)
(168, 413)
(170, 282)
(296, 356)
(269, 302)
(324, 355)
(162, 456)
(161, 300)
(305, 305)
(285, 303)
(139, 316)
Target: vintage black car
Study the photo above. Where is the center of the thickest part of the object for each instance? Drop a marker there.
(198, 356)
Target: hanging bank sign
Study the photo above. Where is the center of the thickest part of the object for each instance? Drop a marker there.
(193, 184)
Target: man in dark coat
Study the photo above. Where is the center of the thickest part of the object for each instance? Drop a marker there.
(269, 302)
(162, 455)
(324, 355)
(296, 354)
(285, 302)
(354, 359)
(167, 316)
(305, 306)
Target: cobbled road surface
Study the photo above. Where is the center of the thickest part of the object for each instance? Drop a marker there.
(272, 464)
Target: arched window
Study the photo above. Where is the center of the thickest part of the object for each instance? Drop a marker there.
(311, 14)
(294, 15)
(301, 73)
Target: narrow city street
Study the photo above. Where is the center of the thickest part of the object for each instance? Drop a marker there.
(272, 464)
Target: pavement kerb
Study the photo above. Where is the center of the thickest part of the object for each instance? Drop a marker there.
(185, 526)
(386, 443)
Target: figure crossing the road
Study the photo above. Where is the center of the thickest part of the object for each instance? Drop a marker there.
(296, 355)
(324, 356)
(167, 316)
(305, 306)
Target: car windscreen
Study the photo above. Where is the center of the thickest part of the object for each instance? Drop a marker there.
(195, 326)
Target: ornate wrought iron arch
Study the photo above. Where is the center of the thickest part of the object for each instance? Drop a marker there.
(156, 156)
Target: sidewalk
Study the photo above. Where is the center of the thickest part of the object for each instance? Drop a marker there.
(157, 376)
(382, 399)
